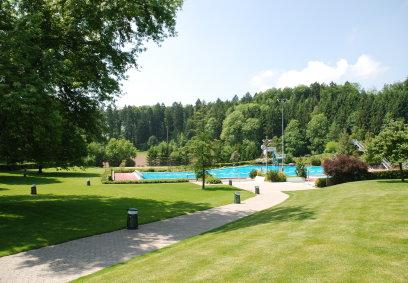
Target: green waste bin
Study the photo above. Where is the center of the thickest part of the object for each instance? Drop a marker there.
(132, 219)
(237, 197)
(257, 190)
(33, 189)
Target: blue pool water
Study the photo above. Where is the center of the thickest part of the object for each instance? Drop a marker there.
(232, 172)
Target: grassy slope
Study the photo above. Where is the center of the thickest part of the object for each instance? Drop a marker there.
(351, 232)
(66, 209)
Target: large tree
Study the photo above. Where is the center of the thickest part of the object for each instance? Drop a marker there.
(202, 148)
(60, 61)
(295, 143)
(317, 133)
(391, 144)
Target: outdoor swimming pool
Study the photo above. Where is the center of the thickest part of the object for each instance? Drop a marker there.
(232, 172)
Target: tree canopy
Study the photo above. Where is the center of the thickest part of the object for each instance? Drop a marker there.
(60, 61)
(340, 113)
(390, 144)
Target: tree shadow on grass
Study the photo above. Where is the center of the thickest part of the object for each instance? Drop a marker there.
(21, 180)
(279, 214)
(68, 174)
(58, 174)
(222, 188)
(28, 222)
(17, 178)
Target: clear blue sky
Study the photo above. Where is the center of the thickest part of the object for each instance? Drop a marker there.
(228, 47)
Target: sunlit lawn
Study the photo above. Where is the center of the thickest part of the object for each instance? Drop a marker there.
(354, 232)
(65, 208)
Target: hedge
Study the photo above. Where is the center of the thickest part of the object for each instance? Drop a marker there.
(228, 164)
(390, 174)
(147, 181)
(106, 178)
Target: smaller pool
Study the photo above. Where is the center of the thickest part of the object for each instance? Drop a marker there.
(232, 172)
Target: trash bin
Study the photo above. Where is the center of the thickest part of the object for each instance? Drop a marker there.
(257, 190)
(33, 189)
(237, 197)
(132, 219)
(88, 182)
(230, 182)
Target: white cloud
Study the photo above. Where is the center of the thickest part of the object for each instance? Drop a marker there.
(365, 68)
(263, 78)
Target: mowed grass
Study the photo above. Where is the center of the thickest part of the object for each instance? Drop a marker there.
(354, 232)
(65, 208)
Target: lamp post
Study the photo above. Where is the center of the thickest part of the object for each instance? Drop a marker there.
(282, 101)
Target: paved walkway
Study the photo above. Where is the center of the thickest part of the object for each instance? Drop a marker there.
(70, 260)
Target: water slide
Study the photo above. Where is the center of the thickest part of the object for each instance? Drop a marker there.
(361, 147)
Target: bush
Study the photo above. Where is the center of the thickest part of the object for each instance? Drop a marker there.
(345, 168)
(332, 147)
(130, 162)
(273, 176)
(212, 180)
(301, 168)
(96, 154)
(289, 158)
(321, 182)
(315, 161)
(106, 176)
(118, 150)
(260, 173)
(253, 173)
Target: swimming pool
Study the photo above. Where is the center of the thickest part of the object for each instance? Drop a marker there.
(232, 172)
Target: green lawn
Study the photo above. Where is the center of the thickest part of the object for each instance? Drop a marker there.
(67, 209)
(354, 232)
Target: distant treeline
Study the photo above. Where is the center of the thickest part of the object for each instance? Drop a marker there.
(319, 111)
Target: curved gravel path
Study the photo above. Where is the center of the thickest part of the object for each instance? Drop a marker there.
(70, 260)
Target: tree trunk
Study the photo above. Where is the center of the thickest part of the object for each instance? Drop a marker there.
(40, 167)
(401, 172)
(203, 177)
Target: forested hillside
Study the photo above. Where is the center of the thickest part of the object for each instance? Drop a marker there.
(316, 118)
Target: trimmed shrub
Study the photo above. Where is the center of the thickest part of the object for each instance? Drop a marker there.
(345, 168)
(315, 161)
(253, 173)
(273, 176)
(301, 168)
(260, 173)
(212, 180)
(321, 182)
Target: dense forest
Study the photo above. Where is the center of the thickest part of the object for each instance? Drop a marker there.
(317, 118)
